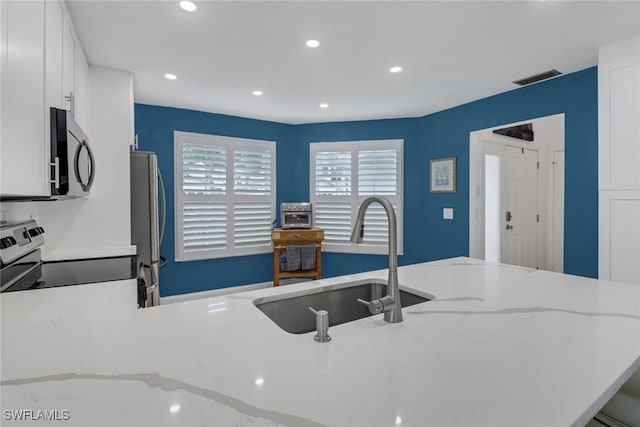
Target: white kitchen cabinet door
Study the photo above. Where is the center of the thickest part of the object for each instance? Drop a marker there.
(81, 89)
(24, 162)
(75, 73)
(68, 65)
(619, 236)
(619, 109)
(54, 27)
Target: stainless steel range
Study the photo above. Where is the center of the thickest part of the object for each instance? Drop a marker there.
(19, 253)
(22, 267)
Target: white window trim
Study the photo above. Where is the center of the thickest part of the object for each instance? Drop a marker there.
(230, 143)
(356, 200)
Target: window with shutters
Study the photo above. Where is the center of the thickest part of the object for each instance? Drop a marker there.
(343, 174)
(225, 196)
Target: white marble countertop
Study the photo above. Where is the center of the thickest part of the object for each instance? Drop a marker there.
(499, 346)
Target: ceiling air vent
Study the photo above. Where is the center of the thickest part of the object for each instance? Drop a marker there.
(521, 131)
(537, 77)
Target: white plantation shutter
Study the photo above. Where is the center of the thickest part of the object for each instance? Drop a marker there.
(333, 173)
(334, 218)
(378, 172)
(204, 169)
(252, 224)
(252, 172)
(343, 174)
(225, 196)
(204, 226)
(376, 228)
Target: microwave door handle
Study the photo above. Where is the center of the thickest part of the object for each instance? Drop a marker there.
(56, 173)
(92, 166)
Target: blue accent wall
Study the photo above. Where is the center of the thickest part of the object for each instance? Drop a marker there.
(446, 133)
(155, 126)
(443, 134)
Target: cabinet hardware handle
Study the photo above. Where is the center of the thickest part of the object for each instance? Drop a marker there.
(71, 100)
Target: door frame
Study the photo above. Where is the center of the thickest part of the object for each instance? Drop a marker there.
(549, 139)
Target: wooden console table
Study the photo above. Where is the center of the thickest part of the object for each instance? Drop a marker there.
(283, 237)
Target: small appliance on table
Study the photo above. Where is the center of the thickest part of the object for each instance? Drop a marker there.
(297, 247)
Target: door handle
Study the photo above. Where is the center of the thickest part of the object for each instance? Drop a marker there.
(509, 227)
(508, 216)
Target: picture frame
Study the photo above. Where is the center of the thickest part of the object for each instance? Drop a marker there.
(442, 176)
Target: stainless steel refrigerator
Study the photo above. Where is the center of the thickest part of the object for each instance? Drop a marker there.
(148, 214)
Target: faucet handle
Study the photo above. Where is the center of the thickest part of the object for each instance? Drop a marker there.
(376, 306)
(380, 305)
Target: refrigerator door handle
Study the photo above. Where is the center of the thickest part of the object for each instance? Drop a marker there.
(155, 284)
(142, 287)
(164, 206)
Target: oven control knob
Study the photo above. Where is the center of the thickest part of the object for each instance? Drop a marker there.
(7, 242)
(36, 231)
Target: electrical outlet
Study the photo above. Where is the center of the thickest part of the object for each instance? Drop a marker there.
(447, 213)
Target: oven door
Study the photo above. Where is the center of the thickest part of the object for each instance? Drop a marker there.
(24, 273)
(296, 219)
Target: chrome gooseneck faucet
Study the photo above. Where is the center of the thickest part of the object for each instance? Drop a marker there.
(390, 304)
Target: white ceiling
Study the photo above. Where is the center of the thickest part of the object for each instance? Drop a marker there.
(451, 52)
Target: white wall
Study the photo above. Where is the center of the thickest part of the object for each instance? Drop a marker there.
(98, 225)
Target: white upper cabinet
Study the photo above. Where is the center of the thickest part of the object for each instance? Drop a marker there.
(619, 110)
(43, 66)
(73, 82)
(23, 160)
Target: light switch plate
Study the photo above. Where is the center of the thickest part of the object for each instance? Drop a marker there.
(447, 213)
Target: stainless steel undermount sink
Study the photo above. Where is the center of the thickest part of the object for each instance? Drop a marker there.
(291, 311)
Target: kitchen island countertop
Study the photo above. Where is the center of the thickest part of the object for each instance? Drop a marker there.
(498, 346)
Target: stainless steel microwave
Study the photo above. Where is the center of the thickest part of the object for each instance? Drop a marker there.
(295, 215)
(73, 166)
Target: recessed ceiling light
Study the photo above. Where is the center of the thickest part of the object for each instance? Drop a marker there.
(313, 43)
(188, 6)
(323, 105)
(257, 92)
(395, 69)
(174, 408)
(170, 76)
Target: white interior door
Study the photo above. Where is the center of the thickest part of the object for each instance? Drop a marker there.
(520, 203)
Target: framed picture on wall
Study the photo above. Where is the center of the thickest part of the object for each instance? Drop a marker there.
(443, 175)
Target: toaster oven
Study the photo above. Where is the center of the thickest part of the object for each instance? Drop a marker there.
(295, 215)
